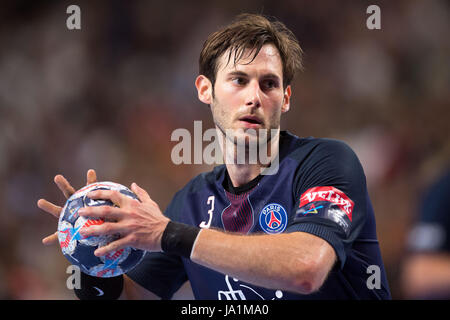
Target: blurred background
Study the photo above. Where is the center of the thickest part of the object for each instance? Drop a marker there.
(109, 96)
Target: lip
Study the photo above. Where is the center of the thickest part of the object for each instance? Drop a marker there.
(251, 121)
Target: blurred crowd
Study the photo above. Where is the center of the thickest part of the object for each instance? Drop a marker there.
(109, 96)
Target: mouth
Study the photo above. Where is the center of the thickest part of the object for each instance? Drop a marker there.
(251, 121)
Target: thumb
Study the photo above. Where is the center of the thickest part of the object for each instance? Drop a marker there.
(141, 193)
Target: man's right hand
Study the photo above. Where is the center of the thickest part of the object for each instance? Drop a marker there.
(55, 210)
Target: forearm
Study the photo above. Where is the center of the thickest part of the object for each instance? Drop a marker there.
(295, 262)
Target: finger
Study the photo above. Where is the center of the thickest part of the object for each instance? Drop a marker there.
(51, 239)
(113, 195)
(141, 193)
(91, 176)
(106, 228)
(113, 246)
(64, 186)
(49, 207)
(104, 212)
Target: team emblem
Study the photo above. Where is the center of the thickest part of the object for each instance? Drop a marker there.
(273, 218)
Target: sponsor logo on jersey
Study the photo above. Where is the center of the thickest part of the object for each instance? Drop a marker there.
(238, 290)
(273, 218)
(312, 209)
(330, 194)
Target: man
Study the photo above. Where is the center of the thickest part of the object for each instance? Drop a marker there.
(305, 230)
(426, 270)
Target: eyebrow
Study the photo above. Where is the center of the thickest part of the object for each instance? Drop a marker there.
(237, 73)
(269, 75)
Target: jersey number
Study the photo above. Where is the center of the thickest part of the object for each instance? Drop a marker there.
(210, 213)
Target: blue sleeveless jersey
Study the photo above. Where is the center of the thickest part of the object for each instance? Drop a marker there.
(319, 188)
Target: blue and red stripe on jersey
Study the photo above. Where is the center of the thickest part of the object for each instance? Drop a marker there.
(239, 215)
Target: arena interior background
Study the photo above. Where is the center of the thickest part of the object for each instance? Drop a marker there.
(108, 97)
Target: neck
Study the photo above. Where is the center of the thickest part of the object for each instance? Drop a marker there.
(246, 160)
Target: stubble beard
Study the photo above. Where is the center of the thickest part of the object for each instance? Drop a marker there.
(239, 146)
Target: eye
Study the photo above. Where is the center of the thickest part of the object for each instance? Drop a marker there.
(240, 81)
(270, 84)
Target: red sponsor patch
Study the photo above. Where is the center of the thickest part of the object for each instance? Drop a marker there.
(330, 194)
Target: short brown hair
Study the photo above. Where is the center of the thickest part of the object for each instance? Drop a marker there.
(251, 31)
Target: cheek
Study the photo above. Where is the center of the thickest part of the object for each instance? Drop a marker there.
(275, 112)
(230, 97)
(275, 119)
(274, 103)
(226, 100)
(219, 112)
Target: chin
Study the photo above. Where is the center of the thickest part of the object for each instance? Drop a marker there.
(249, 136)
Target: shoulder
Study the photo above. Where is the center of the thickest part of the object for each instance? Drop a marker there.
(316, 148)
(321, 162)
(320, 154)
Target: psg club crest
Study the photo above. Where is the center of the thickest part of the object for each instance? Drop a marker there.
(273, 218)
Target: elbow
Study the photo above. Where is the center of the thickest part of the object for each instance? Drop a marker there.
(307, 286)
(308, 279)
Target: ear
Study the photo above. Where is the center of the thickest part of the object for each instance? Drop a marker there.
(204, 89)
(286, 100)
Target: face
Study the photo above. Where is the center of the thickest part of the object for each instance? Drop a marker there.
(248, 95)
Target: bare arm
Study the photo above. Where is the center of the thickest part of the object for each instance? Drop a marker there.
(426, 274)
(298, 262)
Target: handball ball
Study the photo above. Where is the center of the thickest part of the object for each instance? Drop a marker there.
(80, 250)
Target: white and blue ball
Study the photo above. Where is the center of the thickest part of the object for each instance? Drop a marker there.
(80, 250)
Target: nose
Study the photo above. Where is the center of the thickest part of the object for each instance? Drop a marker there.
(253, 97)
